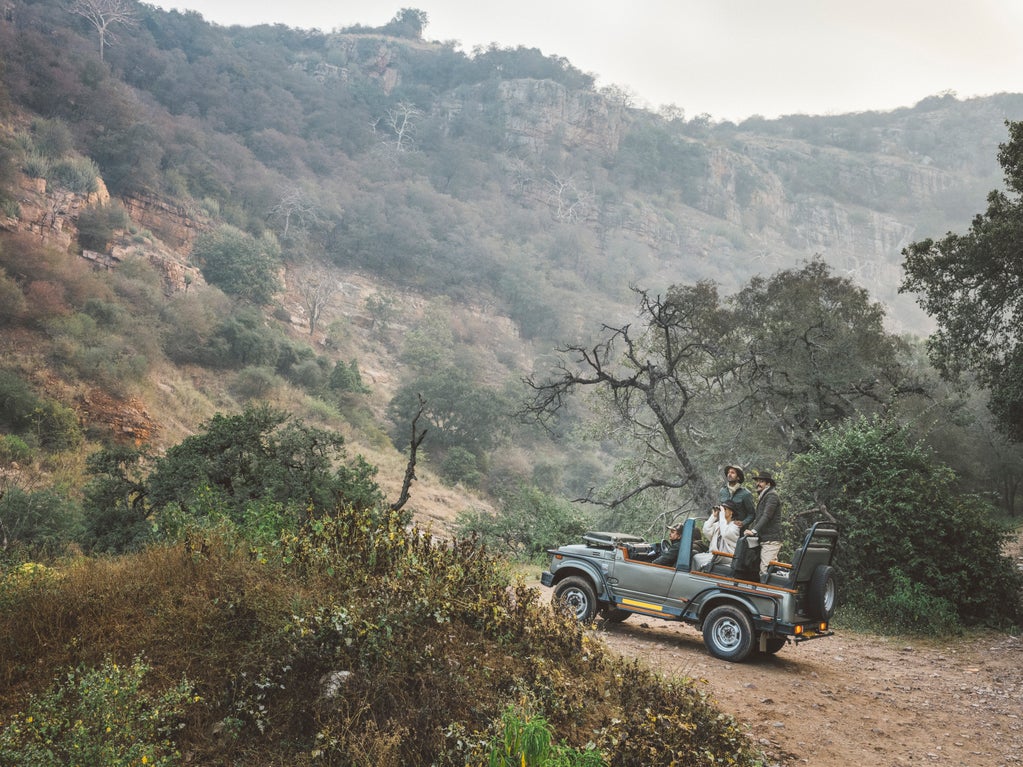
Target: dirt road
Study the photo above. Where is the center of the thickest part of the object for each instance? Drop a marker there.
(856, 699)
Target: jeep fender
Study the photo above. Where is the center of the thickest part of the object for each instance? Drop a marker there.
(588, 571)
(707, 600)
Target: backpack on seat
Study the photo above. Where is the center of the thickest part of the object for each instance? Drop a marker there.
(746, 558)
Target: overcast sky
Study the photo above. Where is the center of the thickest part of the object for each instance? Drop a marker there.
(726, 58)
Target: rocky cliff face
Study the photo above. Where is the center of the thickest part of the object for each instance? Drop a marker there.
(534, 112)
(51, 214)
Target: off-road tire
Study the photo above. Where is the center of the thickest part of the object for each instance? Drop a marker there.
(728, 633)
(821, 593)
(576, 595)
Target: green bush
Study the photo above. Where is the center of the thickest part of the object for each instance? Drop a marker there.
(52, 138)
(96, 225)
(17, 401)
(13, 449)
(36, 166)
(101, 716)
(78, 175)
(911, 608)
(459, 465)
(255, 382)
(239, 264)
(527, 523)
(50, 424)
(266, 454)
(42, 520)
(898, 507)
(346, 378)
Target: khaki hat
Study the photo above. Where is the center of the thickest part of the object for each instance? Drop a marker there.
(739, 471)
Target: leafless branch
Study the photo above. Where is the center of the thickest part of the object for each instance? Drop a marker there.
(103, 14)
(410, 468)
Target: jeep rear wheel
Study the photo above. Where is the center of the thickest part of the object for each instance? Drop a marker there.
(821, 593)
(576, 595)
(728, 633)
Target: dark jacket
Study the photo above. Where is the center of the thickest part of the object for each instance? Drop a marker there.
(768, 519)
(742, 498)
(669, 554)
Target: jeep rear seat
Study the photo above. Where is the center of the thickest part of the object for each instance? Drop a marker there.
(782, 574)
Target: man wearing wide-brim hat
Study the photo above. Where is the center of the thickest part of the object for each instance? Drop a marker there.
(734, 490)
(767, 523)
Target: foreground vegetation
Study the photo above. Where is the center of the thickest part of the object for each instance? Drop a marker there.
(358, 641)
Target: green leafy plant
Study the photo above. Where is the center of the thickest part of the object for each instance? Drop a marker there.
(101, 716)
(527, 741)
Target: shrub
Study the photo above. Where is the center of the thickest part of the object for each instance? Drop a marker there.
(41, 520)
(255, 382)
(308, 374)
(357, 638)
(898, 507)
(262, 453)
(239, 264)
(101, 716)
(346, 378)
(527, 523)
(459, 465)
(36, 166)
(96, 225)
(78, 175)
(13, 449)
(911, 608)
(17, 400)
(52, 138)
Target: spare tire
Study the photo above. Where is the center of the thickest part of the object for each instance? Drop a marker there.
(822, 593)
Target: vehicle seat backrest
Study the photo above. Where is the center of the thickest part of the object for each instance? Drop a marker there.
(813, 557)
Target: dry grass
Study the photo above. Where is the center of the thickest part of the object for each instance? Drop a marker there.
(429, 640)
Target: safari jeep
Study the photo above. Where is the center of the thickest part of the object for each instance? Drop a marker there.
(610, 574)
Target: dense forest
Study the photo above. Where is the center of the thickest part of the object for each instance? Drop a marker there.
(267, 290)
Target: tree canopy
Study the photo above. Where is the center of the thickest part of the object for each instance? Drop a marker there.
(701, 380)
(972, 285)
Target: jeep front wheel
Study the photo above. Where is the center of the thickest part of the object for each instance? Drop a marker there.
(577, 596)
(728, 633)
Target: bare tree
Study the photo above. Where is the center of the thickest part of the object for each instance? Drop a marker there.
(104, 14)
(293, 206)
(410, 468)
(315, 287)
(568, 202)
(401, 119)
(654, 382)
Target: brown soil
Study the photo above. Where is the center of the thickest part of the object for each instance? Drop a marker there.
(856, 699)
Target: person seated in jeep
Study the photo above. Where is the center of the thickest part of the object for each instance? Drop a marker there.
(721, 529)
(669, 553)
